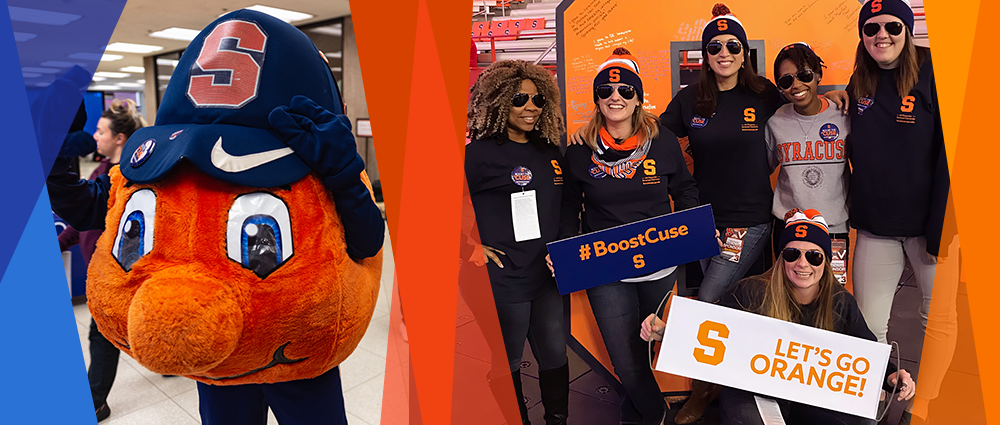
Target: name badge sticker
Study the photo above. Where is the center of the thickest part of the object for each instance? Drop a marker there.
(524, 210)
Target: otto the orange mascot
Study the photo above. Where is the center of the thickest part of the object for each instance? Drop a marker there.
(242, 246)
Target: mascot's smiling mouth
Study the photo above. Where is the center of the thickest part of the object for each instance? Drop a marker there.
(279, 358)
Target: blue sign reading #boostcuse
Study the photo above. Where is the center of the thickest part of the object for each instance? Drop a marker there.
(633, 249)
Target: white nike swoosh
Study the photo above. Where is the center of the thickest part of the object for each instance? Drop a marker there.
(236, 164)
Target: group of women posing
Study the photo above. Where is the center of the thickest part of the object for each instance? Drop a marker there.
(627, 165)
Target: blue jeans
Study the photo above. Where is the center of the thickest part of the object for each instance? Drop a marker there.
(318, 400)
(619, 309)
(721, 274)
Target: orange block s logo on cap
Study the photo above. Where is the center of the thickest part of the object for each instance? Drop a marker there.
(615, 75)
(722, 24)
(876, 6)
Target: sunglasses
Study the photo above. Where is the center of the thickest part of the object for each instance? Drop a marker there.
(786, 81)
(715, 47)
(521, 99)
(791, 255)
(605, 91)
(871, 29)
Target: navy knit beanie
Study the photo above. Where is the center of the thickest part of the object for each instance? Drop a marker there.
(621, 67)
(723, 22)
(809, 226)
(898, 8)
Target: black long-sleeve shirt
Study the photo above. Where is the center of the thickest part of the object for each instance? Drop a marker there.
(729, 151)
(899, 179)
(488, 168)
(612, 202)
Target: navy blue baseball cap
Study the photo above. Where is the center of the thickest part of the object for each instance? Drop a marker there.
(214, 111)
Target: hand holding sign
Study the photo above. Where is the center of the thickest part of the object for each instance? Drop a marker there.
(907, 389)
(652, 328)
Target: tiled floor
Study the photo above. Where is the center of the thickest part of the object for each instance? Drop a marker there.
(141, 397)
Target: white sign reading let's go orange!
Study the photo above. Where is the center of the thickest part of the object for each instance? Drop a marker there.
(773, 357)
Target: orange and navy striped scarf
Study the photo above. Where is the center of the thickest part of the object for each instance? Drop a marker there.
(619, 160)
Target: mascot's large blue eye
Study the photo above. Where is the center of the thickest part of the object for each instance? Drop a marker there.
(135, 230)
(259, 233)
(261, 245)
(130, 247)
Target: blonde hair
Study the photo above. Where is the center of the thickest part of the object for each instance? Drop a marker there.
(124, 116)
(644, 123)
(779, 303)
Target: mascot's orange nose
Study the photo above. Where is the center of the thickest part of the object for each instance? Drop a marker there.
(182, 322)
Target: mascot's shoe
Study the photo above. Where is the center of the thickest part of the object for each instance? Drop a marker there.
(103, 412)
(702, 393)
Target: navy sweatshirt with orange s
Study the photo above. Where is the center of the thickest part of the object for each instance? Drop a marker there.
(899, 181)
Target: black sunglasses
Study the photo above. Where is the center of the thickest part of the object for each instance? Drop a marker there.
(871, 29)
(521, 99)
(715, 47)
(785, 81)
(605, 91)
(791, 255)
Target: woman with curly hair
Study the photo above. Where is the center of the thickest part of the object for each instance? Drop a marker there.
(629, 169)
(515, 180)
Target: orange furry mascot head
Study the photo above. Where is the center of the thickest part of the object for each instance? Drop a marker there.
(231, 266)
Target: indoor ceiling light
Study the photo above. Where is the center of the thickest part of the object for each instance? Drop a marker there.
(174, 33)
(132, 48)
(335, 30)
(135, 69)
(103, 88)
(284, 15)
(334, 55)
(141, 81)
(98, 79)
(30, 74)
(112, 74)
(95, 57)
(129, 85)
(23, 36)
(61, 64)
(37, 16)
(167, 62)
(40, 70)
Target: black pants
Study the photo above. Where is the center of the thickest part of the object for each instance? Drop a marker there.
(740, 408)
(541, 322)
(315, 401)
(103, 366)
